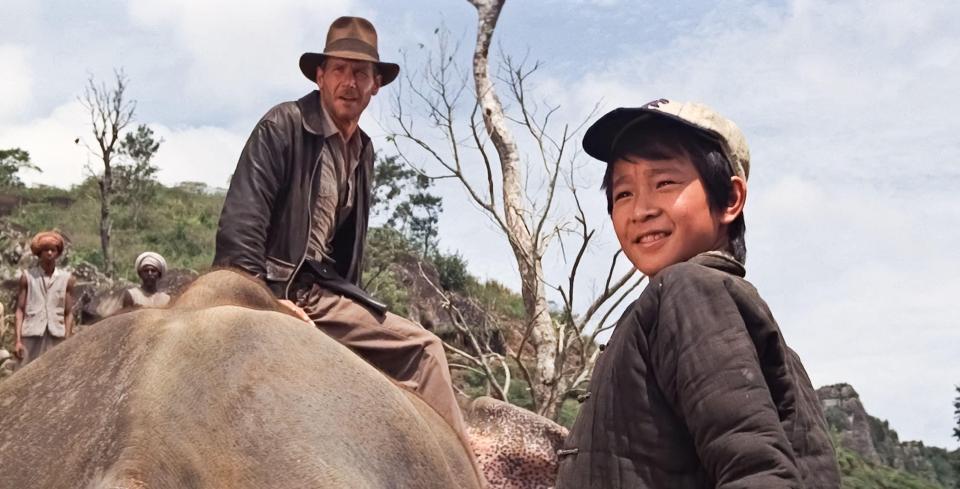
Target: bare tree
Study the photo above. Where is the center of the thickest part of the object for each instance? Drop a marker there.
(557, 351)
(110, 113)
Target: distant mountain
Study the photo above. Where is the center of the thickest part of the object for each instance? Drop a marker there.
(871, 454)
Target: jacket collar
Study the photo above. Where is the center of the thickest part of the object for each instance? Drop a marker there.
(312, 115)
(720, 260)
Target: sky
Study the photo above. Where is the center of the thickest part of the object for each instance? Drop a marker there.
(849, 109)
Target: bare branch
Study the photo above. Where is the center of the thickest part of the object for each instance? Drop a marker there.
(613, 307)
(457, 319)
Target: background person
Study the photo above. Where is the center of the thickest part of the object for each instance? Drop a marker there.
(44, 301)
(151, 267)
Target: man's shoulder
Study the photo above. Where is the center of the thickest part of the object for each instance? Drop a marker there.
(283, 113)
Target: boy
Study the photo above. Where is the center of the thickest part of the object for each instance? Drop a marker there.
(696, 387)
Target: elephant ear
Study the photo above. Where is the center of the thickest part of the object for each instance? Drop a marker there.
(515, 448)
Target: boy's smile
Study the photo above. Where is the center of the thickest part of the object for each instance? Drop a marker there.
(661, 214)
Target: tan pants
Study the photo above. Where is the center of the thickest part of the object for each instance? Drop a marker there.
(37, 345)
(405, 351)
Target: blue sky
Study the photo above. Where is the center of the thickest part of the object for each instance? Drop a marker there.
(849, 108)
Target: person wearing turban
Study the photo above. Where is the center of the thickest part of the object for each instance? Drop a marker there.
(150, 268)
(44, 314)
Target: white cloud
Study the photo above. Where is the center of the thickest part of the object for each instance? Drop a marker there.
(200, 154)
(50, 142)
(16, 81)
(234, 50)
(205, 154)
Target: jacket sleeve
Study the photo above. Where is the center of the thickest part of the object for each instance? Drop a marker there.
(706, 364)
(245, 219)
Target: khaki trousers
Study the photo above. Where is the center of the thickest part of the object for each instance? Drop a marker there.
(403, 350)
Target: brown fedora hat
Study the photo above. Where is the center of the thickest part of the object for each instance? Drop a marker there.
(349, 38)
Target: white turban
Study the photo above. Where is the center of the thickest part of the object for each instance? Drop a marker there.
(152, 259)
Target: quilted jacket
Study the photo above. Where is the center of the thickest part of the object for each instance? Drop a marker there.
(697, 389)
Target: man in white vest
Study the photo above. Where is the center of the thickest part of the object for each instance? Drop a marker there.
(45, 300)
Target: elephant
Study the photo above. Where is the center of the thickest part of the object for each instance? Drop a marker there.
(225, 388)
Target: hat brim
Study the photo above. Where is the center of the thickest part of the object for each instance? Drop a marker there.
(601, 136)
(310, 61)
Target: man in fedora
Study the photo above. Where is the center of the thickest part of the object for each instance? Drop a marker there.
(295, 215)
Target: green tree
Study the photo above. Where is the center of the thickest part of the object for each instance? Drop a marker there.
(402, 194)
(452, 270)
(135, 180)
(389, 177)
(11, 162)
(956, 414)
(956, 434)
(417, 217)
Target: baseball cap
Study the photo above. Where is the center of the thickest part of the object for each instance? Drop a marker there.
(602, 136)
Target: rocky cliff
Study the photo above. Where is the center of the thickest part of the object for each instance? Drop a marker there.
(873, 441)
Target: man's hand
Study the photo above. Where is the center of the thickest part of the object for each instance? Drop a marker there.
(296, 310)
(19, 350)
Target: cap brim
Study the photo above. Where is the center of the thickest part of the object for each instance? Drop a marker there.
(310, 61)
(601, 136)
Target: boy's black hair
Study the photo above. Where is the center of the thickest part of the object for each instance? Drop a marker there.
(661, 138)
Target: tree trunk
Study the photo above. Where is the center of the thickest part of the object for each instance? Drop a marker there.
(106, 224)
(543, 335)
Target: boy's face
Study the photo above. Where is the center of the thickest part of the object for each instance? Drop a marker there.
(660, 212)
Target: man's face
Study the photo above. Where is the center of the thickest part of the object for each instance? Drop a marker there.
(346, 87)
(49, 253)
(149, 274)
(660, 212)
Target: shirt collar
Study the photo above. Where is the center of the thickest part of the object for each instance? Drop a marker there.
(329, 128)
(720, 260)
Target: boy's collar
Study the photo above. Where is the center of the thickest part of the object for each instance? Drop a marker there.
(720, 260)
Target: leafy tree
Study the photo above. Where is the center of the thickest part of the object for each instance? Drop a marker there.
(956, 414)
(402, 194)
(389, 177)
(417, 217)
(452, 269)
(11, 162)
(135, 180)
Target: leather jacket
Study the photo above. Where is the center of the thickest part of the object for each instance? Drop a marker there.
(266, 217)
